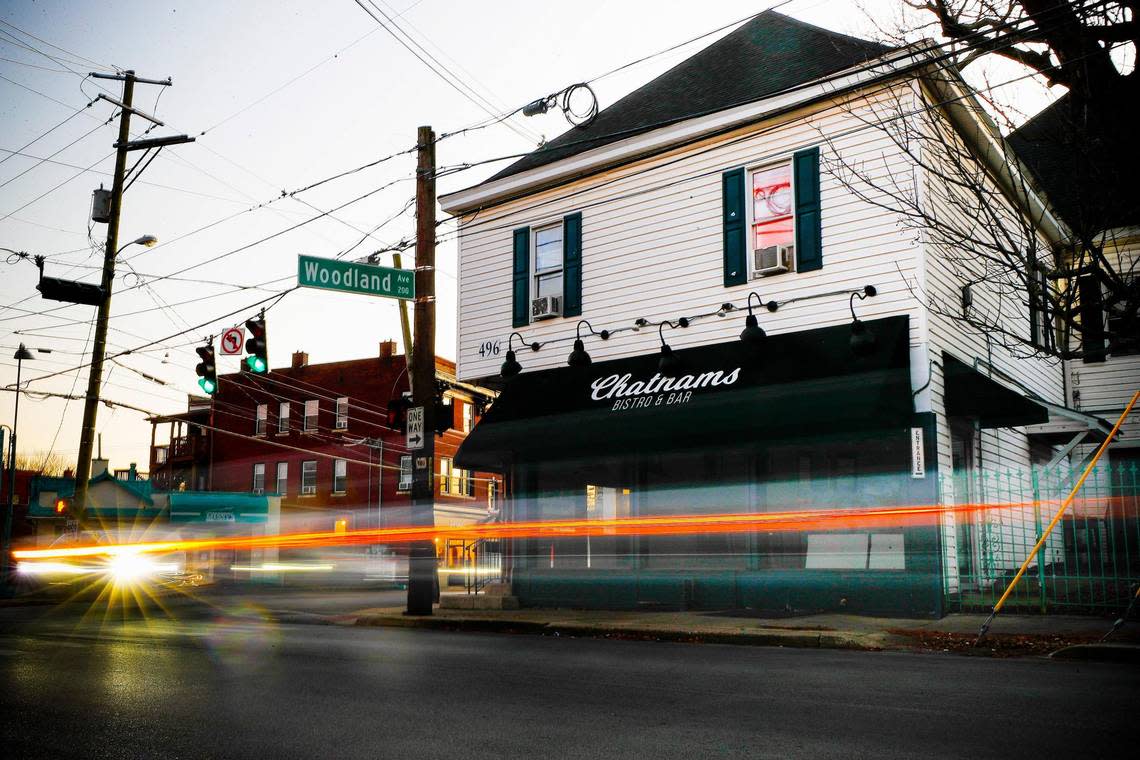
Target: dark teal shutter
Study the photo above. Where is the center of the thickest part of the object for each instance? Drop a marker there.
(1092, 318)
(809, 236)
(572, 265)
(521, 280)
(735, 239)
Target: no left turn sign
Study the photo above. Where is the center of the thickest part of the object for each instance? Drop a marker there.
(233, 341)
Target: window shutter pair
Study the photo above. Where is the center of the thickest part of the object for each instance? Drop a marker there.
(734, 194)
(1091, 309)
(571, 271)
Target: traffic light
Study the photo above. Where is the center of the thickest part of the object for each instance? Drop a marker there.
(398, 413)
(207, 369)
(444, 418)
(257, 346)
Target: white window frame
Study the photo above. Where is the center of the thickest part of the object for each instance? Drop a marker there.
(340, 477)
(749, 211)
(283, 417)
(534, 271)
(306, 470)
(492, 493)
(446, 471)
(282, 478)
(258, 475)
(404, 484)
(261, 419)
(468, 416)
(342, 417)
(315, 416)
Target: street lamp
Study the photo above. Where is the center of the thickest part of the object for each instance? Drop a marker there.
(149, 241)
(21, 354)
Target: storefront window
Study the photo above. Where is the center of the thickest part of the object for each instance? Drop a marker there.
(794, 479)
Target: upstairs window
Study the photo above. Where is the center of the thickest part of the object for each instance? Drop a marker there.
(468, 416)
(340, 475)
(283, 417)
(548, 258)
(773, 220)
(261, 419)
(282, 478)
(312, 409)
(309, 477)
(342, 413)
(259, 478)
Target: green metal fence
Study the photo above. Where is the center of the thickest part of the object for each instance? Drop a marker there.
(1089, 564)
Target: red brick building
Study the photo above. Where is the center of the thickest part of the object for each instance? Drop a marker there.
(318, 435)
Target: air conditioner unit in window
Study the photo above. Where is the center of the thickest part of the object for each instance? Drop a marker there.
(546, 307)
(308, 490)
(772, 260)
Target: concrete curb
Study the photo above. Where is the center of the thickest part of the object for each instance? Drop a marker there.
(1119, 653)
(771, 638)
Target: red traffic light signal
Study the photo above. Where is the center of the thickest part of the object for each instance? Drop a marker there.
(398, 413)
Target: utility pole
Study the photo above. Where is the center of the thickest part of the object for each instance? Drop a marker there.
(99, 348)
(95, 375)
(422, 571)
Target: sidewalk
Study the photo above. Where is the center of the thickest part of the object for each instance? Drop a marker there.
(1010, 635)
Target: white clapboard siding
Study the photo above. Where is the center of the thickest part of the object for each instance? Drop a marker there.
(999, 449)
(1104, 388)
(651, 247)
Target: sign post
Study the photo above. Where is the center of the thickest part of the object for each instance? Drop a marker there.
(415, 433)
(351, 277)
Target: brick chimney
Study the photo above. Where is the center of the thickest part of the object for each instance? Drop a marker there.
(300, 359)
(387, 349)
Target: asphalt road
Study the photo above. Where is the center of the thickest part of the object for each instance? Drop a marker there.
(244, 686)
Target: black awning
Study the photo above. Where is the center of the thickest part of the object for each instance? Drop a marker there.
(800, 384)
(969, 393)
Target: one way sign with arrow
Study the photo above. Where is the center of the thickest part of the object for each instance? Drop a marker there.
(415, 434)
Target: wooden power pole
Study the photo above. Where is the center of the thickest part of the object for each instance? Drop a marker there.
(95, 373)
(123, 146)
(422, 571)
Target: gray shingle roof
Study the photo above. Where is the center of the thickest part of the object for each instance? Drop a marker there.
(1086, 175)
(767, 55)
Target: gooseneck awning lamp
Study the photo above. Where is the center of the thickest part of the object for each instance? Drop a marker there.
(511, 366)
(578, 357)
(862, 338)
(753, 334)
(669, 364)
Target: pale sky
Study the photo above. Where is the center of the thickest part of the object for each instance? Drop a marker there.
(288, 92)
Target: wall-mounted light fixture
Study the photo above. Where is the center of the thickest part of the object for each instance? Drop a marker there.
(578, 357)
(753, 335)
(862, 338)
(669, 364)
(511, 366)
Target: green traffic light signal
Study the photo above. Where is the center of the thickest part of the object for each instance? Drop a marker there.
(255, 363)
(208, 386)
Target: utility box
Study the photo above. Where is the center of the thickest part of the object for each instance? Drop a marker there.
(101, 206)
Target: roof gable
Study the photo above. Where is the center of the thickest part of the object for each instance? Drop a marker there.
(765, 56)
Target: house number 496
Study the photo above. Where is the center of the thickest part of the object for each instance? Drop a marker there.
(490, 347)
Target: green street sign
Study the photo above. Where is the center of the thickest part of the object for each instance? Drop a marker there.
(349, 277)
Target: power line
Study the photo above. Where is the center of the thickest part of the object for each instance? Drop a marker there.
(442, 72)
(85, 61)
(868, 124)
(275, 298)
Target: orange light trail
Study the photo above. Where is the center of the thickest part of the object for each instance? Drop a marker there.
(798, 520)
